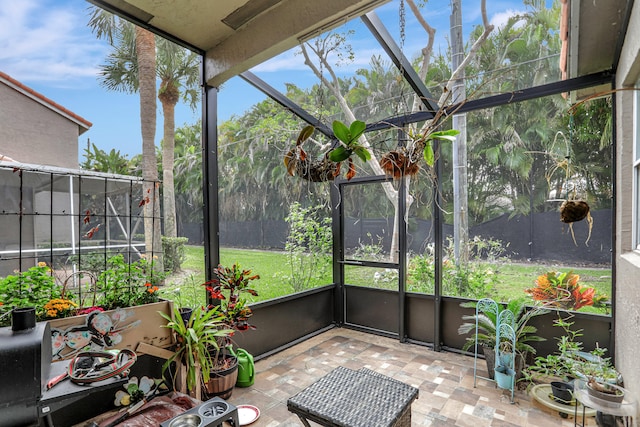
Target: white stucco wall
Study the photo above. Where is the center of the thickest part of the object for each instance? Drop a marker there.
(627, 299)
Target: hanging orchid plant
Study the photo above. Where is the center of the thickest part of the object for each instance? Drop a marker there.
(404, 160)
(349, 145)
(397, 163)
(298, 163)
(327, 168)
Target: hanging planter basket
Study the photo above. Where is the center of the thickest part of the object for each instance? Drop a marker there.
(397, 164)
(573, 211)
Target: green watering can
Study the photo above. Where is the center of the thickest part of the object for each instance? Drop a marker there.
(246, 372)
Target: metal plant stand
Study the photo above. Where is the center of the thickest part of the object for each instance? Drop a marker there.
(504, 363)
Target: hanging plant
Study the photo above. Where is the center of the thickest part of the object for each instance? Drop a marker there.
(327, 168)
(400, 162)
(397, 163)
(573, 211)
(298, 163)
(349, 145)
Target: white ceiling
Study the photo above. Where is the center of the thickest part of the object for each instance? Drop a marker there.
(239, 34)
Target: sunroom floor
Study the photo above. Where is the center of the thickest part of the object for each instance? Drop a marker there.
(447, 396)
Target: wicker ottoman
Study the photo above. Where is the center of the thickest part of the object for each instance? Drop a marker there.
(348, 398)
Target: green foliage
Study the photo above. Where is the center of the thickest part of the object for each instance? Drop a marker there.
(571, 361)
(476, 279)
(173, 250)
(487, 322)
(124, 285)
(99, 160)
(372, 251)
(349, 137)
(187, 294)
(309, 246)
(31, 288)
(443, 135)
(196, 339)
(229, 287)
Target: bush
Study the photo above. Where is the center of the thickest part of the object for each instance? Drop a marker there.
(174, 256)
(309, 246)
(473, 280)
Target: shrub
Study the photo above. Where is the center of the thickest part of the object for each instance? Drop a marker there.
(476, 279)
(173, 249)
(309, 246)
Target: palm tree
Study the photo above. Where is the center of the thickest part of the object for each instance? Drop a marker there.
(176, 67)
(131, 67)
(188, 172)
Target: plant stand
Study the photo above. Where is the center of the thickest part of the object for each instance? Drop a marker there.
(627, 409)
(504, 363)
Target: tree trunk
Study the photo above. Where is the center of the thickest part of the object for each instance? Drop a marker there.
(169, 100)
(146, 53)
(460, 202)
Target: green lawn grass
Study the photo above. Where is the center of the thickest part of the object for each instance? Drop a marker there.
(512, 278)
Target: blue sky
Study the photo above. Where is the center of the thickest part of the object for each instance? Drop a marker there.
(46, 45)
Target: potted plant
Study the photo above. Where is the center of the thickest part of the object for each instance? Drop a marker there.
(571, 361)
(187, 296)
(487, 322)
(606, 394)
(225, 293)
(195, 342)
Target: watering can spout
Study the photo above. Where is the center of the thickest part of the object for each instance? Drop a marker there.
(246, 372)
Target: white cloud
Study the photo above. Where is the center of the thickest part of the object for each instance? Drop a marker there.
(48, 41)
(501, 18)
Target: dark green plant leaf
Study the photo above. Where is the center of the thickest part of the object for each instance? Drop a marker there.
(339, 154)
(341, 131)
(363, 153)
(356, 130)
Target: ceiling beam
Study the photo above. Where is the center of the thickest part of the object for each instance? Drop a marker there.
(278, 29)
(287, 103)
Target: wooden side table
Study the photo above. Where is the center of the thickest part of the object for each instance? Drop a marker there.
(349, 398)
(628, 409)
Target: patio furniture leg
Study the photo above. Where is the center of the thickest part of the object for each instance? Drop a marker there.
(304, 421)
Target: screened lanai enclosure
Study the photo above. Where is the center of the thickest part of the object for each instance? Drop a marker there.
(479, 127)
(446, 138)
(72, 221)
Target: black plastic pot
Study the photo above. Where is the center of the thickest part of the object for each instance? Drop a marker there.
(185, 313)
(562, 392)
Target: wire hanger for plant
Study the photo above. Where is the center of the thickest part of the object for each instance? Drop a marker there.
(573, 210)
